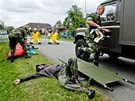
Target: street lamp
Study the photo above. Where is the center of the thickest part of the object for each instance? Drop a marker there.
(85, 8)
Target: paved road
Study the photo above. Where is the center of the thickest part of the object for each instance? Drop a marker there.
(123, 91)
(54, 52)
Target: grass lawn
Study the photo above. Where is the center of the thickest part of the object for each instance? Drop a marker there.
(39, 89)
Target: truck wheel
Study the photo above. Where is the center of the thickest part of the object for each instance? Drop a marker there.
(81, 43)
(114, 56)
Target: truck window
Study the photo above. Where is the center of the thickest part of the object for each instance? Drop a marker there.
(109, 14)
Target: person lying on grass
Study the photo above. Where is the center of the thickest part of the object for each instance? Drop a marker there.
(66, 73)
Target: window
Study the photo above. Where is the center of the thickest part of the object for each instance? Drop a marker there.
(109, 13)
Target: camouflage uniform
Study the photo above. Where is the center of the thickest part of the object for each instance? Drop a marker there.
(93, 47)
(16, 36)
(68, 76)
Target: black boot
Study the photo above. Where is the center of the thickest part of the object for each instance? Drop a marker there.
(90, 93)
(96, 64)
(12, 58)
(49, 43)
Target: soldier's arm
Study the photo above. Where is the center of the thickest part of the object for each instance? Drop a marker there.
(107, 30)
(24, 34)
(90, 21)
(94, 24)
(17, 81)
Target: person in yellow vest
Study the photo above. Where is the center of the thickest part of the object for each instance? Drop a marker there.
(53, 37)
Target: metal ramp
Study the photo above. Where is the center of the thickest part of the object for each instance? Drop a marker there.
(99, 75)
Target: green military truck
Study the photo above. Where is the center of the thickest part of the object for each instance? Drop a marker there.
(119, 17)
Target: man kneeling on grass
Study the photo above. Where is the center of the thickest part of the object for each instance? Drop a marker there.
(67, 74)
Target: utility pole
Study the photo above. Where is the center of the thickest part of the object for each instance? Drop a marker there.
(0, 12)
(85, 8)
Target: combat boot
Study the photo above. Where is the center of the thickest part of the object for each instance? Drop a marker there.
(27, 56)
(96, 64)
(90, 93)
(12, 58)
(49, 43)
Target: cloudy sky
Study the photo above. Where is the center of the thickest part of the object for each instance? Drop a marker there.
(19, 12)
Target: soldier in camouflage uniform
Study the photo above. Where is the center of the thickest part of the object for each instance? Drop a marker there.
(67, 74)
(16, 36)
(93, 21)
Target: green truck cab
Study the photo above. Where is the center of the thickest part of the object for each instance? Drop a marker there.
(119, 17)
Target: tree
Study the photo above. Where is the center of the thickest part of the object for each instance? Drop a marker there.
(1, 27)
(74, 18)
(9, 28)
(58, 24)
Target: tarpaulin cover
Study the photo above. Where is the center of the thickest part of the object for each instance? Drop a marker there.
(18, 51)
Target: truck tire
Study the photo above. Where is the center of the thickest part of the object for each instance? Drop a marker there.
(84, 56)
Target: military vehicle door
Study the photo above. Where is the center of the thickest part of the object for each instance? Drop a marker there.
(127, 36)
(111, 20)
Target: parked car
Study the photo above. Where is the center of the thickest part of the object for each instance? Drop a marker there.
(3, 32)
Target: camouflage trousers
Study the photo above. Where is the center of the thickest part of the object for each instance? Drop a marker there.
(69, 74)
(93, 47)
(13, 41)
